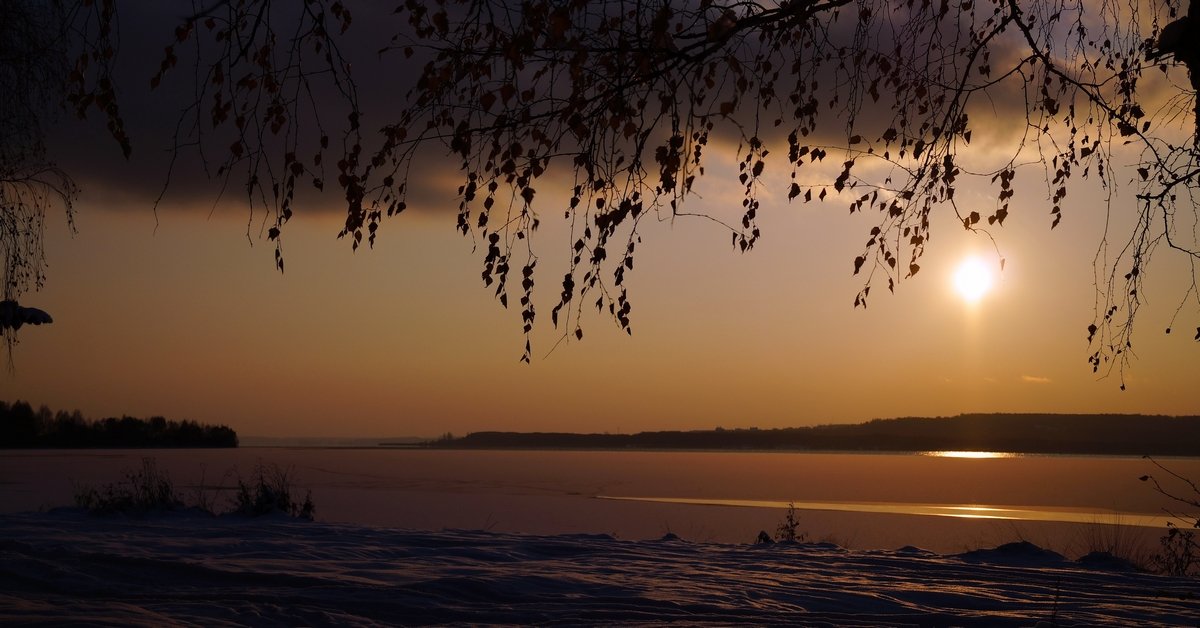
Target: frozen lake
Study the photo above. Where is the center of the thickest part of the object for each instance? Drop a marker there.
(945, 504)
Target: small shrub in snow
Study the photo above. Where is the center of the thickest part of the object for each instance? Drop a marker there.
(1120, 542)
(787, 530)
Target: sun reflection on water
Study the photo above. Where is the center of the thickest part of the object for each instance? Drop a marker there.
(970, 454)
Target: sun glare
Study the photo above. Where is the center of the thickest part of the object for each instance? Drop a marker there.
(972, 280)
(974, 455)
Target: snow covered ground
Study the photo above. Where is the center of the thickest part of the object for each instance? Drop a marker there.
(66, 567)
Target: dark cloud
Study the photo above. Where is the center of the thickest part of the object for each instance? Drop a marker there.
(152, 117)
(86, 151)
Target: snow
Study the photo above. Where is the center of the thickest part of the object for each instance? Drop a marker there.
(65, 566)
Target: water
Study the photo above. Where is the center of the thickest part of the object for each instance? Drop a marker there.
(859, 500)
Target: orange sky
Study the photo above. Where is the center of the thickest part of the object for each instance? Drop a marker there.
(181, 316)
(186, 319)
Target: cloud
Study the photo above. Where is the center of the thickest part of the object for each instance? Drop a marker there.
(85, 151)
(1033, 379)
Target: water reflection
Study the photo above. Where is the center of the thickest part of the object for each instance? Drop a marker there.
(971, 454)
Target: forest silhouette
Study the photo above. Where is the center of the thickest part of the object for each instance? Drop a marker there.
(23, 427)
(1094, 434)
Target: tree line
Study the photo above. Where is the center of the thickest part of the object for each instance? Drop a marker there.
(23, 427)
(1095, 434)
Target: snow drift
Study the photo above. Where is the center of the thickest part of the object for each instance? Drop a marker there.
(66, 566)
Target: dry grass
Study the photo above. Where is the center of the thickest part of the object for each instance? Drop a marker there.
(149, 489)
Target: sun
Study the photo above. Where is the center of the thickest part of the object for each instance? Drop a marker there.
(973, 279)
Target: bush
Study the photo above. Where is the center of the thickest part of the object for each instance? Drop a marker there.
(151, 490)
(270, 491)
(142, 491)
(1179, 553)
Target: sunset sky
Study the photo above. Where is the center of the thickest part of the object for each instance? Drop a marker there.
(183, 315)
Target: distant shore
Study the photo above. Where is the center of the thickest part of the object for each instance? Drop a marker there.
(1066, 434)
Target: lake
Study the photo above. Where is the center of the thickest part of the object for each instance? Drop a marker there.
(941, 503)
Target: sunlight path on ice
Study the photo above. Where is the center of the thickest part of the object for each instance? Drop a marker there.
(965, 511)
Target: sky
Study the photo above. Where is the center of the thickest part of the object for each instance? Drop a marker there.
(181, 313)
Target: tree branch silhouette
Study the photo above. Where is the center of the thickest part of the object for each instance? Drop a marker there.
(871, 103)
